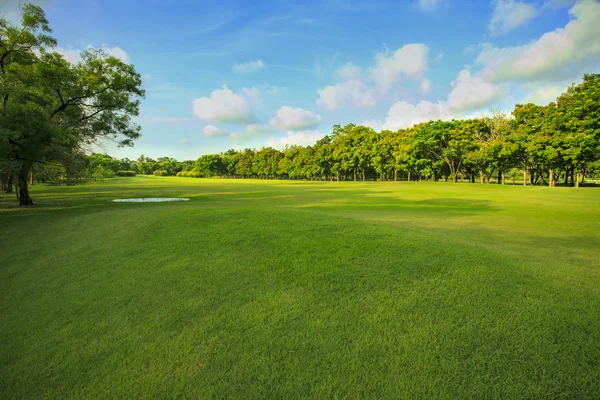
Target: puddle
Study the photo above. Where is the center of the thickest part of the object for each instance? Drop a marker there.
(151, 200)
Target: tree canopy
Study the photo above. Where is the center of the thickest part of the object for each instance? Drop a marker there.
(51, 108)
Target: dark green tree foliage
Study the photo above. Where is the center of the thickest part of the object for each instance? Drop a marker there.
(50, 107)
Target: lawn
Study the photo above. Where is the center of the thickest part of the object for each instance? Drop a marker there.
(279, 289)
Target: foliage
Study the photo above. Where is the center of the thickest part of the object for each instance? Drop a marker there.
(102, 173)
(160, 172)
(50, 107)
(126, 173)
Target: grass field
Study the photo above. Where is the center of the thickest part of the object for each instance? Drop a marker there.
(274, 289)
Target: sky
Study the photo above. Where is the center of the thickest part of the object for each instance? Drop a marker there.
(251, 73)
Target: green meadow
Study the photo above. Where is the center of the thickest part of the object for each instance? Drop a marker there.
(289, 289)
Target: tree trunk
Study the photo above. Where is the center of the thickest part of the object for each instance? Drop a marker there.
(22, 184)
(9, 183)
(577, 179)
(503, 178)
(355, 175)
(30, 178)
(454, 178)
(551, 178)
(395, 175)
(481, 177)
(364, 177)
(499, 179)
(409, 176)
(524, 176)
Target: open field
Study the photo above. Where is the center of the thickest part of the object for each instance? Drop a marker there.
(278, 289)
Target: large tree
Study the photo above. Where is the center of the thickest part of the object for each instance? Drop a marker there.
(50, 106)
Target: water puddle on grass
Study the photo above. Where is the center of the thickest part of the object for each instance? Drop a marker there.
(151, 200)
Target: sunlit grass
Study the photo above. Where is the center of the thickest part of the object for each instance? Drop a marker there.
(279, 289)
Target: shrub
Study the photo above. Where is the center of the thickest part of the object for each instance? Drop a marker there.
(101, 173)
(126, 173)
(161, 172)
(189, 174)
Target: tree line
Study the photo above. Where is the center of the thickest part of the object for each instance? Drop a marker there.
(50, 110)
(539, 145)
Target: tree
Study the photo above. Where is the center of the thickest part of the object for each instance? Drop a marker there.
(209, 165)
(579, 122)
(102, 173)
(50, 106)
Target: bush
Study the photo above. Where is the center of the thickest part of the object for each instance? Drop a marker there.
(189, 174)
(126, 173)
(101, 173)
(161, 172)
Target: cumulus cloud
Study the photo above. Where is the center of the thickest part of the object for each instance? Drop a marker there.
(213, 131)
(404, 115)
(564, 51)
(302, 138)
(372, 123)
(425, 86)
(470, 92)
(509, 15)
(364, 89)
(249, 67)
(352, 92)
(295, 119)
(223, 105)
(349, 71)
(74, 55)
(408, 61)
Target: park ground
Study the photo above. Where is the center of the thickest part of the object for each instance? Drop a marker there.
(282, 289)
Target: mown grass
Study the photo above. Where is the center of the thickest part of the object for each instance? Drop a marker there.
(274, 289)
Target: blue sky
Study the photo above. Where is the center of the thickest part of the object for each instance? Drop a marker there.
(235, 74)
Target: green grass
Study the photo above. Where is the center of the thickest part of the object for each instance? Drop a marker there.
(273, 289)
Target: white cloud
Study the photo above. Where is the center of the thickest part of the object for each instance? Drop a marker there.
(223, 106)
(349, 72)
(250, 66)
(556, 54)
(372, 123)
(352, 92)
(429, 5)
(509, 15)
(425, 86)
(213, 131)
(470, 92)
(74, 55)
(408, 61)
(295, 119)
(302, 138)
(116, 52)
(363, 90)
(404, 115)
(542, 94)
